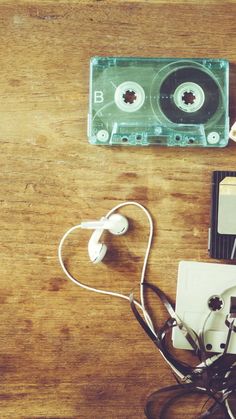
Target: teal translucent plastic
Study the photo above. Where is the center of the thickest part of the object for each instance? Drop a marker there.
(158, 101)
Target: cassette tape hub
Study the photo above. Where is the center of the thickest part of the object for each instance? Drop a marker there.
(148, 101)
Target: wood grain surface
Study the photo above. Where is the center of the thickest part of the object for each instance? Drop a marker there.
(67, 353)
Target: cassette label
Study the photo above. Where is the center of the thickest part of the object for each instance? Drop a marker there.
(158, 101)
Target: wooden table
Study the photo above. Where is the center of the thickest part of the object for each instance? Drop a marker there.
(67, 353)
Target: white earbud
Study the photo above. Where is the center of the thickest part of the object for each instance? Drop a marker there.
(116, 224)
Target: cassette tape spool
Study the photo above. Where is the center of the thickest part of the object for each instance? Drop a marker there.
(148, 101)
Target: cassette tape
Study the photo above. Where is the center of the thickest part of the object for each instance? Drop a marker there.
(206, 303)
(222, 232)
(158, 101)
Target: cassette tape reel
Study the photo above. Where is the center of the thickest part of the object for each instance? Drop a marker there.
(147, 101)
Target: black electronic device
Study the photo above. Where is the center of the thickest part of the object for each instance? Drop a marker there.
(222, 232)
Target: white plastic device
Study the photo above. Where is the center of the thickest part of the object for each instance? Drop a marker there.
(232, 133)
(227, 206)
(204, 292)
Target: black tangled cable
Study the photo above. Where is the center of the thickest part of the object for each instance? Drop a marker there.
(214, 377)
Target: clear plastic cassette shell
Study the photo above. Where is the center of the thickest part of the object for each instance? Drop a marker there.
(158, 101)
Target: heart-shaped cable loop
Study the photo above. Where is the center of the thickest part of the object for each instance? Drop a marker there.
(76, 281)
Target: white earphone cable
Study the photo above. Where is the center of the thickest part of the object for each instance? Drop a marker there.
(112, 293)
(141, 305)
(142, 280)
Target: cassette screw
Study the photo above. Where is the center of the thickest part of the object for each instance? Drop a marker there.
(213, 137)
(102, 135)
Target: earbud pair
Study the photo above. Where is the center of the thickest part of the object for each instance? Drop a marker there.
(116, 224)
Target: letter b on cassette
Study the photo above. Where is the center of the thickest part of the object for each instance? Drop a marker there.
(98, 96)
